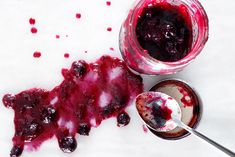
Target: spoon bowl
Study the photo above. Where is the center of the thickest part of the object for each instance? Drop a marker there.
(157, 109)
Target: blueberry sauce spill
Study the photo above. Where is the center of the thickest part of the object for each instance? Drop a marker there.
(145, 129)
(89, 94)
(165, 31)
(187, 97)
(57, 36)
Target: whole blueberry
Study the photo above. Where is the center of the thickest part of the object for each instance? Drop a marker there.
(123, 119)
(79, 68)
(8, 100)
(68, 144)
(84, 129)
(16, 151)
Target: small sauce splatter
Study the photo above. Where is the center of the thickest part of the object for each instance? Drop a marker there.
(37, 54)
(111, 49)
(57, 36)
(145, 129)
(78, 15)
(34, 30)
(66, 55)
(108, 3)
(32, 21)
(109, 29)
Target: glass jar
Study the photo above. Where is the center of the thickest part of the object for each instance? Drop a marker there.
(140, 61)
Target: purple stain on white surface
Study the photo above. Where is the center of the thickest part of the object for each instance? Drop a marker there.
(89, 94)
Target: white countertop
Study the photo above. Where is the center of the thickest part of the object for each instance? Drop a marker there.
(212, 73)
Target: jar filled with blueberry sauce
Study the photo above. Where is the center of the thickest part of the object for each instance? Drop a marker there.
(163, 36)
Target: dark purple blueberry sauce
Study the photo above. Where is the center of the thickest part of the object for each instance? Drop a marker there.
(165, 31)
(161, 114)
(89, 94)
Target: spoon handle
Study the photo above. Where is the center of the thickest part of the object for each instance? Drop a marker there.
(200, 135)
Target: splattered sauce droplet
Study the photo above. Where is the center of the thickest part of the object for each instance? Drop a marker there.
(37, 54)
(32, 21)
(109, 29)
(57, 36)
(34, 30)
(111, 49)
(78, 15)
(123, 119)
(145, 129)
(108, 3)
(66, 55)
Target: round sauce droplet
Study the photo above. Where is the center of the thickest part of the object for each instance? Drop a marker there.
(111, 49)
(37, 54)
(32, 21)
(109, 29)
(34, 30)
(66, 55)
(108, 3)
(78, 15)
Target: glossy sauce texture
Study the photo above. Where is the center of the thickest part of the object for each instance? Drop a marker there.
(89, 94)
(165, 31)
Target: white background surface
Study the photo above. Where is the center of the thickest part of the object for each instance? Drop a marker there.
(212, 73)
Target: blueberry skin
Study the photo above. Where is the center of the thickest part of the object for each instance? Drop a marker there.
(68, 144)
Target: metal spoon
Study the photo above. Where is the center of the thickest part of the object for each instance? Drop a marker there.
(162, 113)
